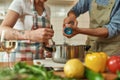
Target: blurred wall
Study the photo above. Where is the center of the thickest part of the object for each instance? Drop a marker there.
(59, 11)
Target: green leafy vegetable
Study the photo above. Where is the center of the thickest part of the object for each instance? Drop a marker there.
(23, 71)
(118, 73)
(91, 75)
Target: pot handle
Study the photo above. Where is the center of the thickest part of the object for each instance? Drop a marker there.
(87, 47)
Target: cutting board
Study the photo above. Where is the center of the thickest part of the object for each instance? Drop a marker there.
(48, 63)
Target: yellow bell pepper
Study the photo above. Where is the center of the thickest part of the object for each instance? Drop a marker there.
(96, 61)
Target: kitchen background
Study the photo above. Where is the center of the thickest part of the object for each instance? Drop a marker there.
(59, 9)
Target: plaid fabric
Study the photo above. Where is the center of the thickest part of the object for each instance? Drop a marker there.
(45, 23)
(26, 46)
(28, 56)
(16, 56)
(4, 57)
(27, 50)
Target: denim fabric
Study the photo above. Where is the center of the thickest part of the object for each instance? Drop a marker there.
(113, 26)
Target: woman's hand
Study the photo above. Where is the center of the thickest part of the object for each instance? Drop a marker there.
(41, 34)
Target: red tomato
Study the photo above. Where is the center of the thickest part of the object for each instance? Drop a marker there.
(113, 64)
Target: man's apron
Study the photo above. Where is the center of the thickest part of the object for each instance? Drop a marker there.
(99, 16)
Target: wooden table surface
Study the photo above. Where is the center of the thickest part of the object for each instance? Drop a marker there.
(107, 76)
(6, 64)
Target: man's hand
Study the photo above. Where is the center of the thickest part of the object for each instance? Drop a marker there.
(41, 34)
(67, 23)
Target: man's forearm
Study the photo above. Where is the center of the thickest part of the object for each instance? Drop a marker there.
(98, 32)
(13, 34)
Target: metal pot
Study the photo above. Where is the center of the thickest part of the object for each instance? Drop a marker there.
(66, 52)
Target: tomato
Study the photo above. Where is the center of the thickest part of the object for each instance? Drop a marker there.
(113, 64)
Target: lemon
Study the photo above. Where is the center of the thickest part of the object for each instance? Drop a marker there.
(74, 68)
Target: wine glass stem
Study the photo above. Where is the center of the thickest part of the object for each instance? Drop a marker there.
(9, 65)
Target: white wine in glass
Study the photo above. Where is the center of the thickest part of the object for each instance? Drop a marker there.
(9, 46)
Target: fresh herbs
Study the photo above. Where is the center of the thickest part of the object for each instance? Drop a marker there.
(22, 71)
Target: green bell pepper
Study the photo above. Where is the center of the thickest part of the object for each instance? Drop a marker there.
(118, 74)
(92, 75)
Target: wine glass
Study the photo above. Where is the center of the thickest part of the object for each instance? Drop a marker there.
(9, 46)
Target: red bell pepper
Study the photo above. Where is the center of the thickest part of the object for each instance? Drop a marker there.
(113, 64)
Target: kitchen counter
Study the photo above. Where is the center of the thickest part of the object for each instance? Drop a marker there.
(50, 63)
(107, 76)
(57, 67)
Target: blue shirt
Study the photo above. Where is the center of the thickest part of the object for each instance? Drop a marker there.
(113, 26)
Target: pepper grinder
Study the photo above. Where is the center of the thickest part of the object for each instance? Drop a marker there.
(69, 30)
